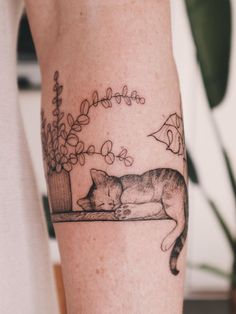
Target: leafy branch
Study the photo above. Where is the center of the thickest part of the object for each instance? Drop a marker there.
(77, 124)
(62, 147)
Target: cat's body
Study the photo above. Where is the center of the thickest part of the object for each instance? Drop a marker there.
(144, 196)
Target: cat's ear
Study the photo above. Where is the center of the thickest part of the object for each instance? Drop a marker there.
(85, 203)
(98, 176)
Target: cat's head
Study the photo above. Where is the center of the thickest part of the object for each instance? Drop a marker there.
(104, 194)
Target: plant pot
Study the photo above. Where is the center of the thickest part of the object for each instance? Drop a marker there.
(59, 190)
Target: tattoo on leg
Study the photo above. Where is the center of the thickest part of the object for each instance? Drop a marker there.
(156, 194)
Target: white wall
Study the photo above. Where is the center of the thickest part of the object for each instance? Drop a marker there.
(206, 241)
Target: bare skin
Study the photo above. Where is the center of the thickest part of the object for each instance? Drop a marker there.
(115, 267)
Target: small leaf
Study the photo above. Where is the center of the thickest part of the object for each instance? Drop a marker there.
(70, 119)
(118, 98)
(110, 158)
(56, 75)
(72, 140)
(124, 90)
(63, 149)
(84, 107)
(49, 127)
(56, 100)
(64, 160)
(109, 93)
(76, 127)
(61, 116)
(55, 86)
(134, 94)
(67, 166)
(59, 90)
(56, 112)
(106, 103)
(81, 159)
(55, 145)
(58, 157)
(62, 127)
(58, 168)
(54, 124)
(128, 161)
(83, 119)
(52, 154)
(73, 159)
(142, 101)
(127, 101)
(91, 150)
(123, 153)
(63, 134)
(137, 100)
(79, 148)
(95, 98)
(106, 148)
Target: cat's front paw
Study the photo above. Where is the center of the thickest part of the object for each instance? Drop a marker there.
(123, 212)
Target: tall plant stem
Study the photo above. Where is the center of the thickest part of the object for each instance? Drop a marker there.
(226, 157)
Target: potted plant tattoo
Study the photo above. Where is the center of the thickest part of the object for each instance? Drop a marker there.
(62, 147)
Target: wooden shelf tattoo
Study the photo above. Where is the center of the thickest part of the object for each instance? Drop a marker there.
(101, 215)
(157, 194)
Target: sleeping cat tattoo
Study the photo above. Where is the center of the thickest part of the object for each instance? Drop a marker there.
(155, 193)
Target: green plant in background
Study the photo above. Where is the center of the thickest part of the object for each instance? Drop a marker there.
(210, 22)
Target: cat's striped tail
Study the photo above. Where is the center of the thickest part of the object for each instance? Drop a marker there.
(179, 244)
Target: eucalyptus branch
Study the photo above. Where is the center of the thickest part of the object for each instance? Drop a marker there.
(76, 125)
(62, 148)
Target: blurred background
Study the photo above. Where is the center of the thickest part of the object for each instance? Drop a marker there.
(205, 53)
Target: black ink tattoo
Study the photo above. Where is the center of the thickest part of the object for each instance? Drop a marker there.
(63, 149)
(171, 134)
(155, 195)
